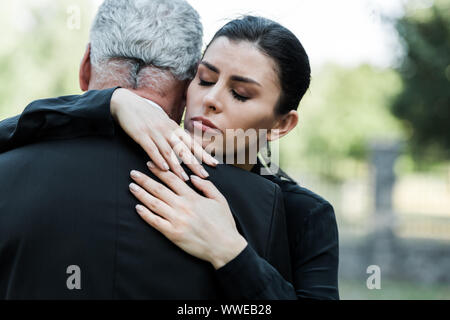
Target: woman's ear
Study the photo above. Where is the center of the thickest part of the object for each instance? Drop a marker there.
(283, 126)
(85, 69)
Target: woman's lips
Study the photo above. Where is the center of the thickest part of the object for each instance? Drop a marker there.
(205, 125)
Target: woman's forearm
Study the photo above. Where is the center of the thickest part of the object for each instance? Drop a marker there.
(58, 118)
(251, 277)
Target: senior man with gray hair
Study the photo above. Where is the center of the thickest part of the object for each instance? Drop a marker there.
(68, 226)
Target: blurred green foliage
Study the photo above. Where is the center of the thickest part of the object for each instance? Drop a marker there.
(344, 110)
(424, 102)
(40, 50)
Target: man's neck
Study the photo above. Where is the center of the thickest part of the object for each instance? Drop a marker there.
(166, 103)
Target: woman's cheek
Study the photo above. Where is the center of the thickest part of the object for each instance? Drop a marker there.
(192, 94)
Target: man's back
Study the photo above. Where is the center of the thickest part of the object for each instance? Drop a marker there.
(52, 218)
(66, 203)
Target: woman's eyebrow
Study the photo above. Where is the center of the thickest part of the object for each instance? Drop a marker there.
(244, 79)
(210, 66)
(233, 78)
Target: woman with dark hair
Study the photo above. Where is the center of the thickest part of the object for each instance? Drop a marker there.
(252, 76)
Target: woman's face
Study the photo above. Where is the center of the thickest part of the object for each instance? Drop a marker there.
(236, 87)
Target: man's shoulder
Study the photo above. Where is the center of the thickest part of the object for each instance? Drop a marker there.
(70, 98)
(59, 118)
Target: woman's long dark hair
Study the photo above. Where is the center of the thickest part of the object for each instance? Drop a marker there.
(280, 44)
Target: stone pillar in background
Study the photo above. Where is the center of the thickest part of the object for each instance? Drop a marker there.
(384, 155)
(381, 241)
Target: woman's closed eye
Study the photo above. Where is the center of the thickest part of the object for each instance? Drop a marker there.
(205, 83)
(239, 97)
(236, 95)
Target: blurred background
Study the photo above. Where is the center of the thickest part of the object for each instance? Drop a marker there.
(373, 139)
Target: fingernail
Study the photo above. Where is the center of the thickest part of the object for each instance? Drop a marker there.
(185, 176)
(165, 166)
(139, 207)
(134, 187)
(194, 177)
(204, 173)
(215, 161)
(135, 174)
(151, 164)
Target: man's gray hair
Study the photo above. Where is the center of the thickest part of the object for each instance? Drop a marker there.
(166, 34)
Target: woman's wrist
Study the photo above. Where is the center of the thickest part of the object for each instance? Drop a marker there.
(226, 253)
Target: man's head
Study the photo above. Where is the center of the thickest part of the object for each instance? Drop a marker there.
(151, 47)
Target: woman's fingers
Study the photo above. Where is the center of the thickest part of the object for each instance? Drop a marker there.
(197, 149)
(157, 222)
(152, 194)
(152, 129)
(171, 180)
(208, 188)
(186, 156)
(152, 151)
(151, 202)
(169, 154)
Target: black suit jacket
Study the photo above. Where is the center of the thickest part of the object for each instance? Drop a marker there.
(64, 201)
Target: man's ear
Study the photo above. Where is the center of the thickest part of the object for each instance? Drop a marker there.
(85, 69)
(283, 126)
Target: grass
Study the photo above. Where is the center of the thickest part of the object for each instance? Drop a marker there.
(393, 290)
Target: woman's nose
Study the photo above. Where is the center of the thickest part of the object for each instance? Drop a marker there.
(212, 101)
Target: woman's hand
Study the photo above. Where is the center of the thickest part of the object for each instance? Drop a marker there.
(203, 226)
(161, 138)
